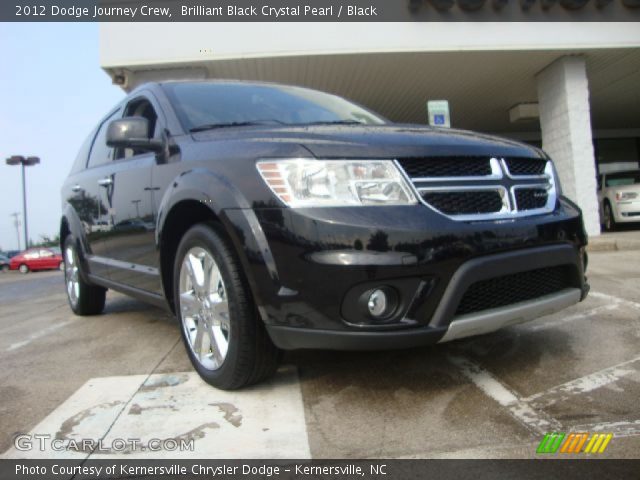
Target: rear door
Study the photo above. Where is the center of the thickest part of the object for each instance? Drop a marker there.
(91, 198)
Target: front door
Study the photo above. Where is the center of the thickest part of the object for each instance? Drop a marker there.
(131, 240)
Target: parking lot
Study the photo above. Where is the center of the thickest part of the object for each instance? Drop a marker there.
(125, 374)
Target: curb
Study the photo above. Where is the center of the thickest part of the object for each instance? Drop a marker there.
(612, 244)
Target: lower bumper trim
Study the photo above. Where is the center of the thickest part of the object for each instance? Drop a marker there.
(293, 338)
(496, 318)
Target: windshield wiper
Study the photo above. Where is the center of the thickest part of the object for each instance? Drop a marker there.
(213, 126)
(335, 122)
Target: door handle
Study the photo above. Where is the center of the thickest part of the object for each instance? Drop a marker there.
(76, 188)
(105, 182)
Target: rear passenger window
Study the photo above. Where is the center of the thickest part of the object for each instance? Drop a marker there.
(81, 159)
(100, 152)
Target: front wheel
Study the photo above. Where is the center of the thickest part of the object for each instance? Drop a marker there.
(23, 269)
(609, 220)
(225, 339)
(84, 298)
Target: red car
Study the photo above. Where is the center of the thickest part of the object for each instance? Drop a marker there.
(37, 259)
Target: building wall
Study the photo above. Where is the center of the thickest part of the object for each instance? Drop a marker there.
(121, 45)
(565, 120)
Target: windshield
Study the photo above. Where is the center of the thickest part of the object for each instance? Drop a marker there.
(623, 178)
(207, 105)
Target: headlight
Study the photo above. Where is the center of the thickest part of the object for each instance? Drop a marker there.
(622, 196)
(336, 183)
(556, 177)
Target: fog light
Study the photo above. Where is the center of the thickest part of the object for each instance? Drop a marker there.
(382, 302)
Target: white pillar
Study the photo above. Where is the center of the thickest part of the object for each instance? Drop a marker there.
(563, 98)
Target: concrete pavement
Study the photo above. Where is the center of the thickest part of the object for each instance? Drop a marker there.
(124, 374)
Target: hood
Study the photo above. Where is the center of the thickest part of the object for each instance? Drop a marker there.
(376, 141)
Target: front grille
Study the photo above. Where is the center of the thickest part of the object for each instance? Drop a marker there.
(473, 188)
(464, 202)
(446, 166)
(531, 198)
(514, 288)
(526, 166)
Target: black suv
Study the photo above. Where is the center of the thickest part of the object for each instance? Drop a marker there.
(270, 217)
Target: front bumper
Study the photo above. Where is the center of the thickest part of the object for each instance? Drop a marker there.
(308, 269)
(291, 338)
(627, 211)
(446, 325)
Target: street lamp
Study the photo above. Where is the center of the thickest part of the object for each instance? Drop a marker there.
(24, 162)
(16, 223)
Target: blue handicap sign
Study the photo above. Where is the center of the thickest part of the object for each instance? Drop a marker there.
(438, 119)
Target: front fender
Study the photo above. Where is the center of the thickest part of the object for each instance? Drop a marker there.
(236, 216)
(200, 184)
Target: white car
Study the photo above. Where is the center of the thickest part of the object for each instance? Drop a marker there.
(619, 198)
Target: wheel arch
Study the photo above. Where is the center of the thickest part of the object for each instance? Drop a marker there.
(195, 196)
(64, 231)
(182, 216)
(70, 224)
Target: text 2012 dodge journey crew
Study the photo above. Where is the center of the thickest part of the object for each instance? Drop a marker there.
(270, 217)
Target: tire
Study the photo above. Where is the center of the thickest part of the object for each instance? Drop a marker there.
(84, 298)
(5, 268)
(24, 269)
(609, 220)
(241, 352)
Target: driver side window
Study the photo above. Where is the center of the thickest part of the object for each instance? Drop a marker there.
(140, 107)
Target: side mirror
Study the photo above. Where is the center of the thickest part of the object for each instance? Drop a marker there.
(132, 132)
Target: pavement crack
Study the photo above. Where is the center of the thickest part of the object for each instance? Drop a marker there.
(128, 402)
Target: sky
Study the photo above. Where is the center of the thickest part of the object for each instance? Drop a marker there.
(52, 93)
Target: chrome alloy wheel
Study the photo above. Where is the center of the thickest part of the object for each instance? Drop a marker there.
(204, 308)
(71, 275)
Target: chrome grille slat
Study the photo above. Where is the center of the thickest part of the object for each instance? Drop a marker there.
(523, 190)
